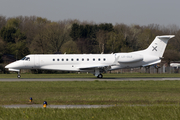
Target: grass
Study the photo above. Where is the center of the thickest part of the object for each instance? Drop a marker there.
(113, 113)
(85, 75)
(159, 99)
(91, 92)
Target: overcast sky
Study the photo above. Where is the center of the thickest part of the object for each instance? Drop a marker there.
(142, 12)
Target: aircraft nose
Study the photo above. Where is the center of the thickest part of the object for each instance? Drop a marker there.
(12, 65)
(7, 66)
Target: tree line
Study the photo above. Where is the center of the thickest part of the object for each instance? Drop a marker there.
(24, 35)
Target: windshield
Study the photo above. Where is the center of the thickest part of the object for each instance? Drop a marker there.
(23, 58)
(28, 59)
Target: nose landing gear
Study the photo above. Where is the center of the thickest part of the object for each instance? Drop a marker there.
(18, 76)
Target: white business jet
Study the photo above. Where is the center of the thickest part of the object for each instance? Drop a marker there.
(94, 63)
(175, 65)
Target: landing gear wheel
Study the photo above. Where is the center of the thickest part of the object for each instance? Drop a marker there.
(100, 76)
(18, 76)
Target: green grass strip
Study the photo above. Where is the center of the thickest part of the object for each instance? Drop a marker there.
(91, 92)
(112, 113)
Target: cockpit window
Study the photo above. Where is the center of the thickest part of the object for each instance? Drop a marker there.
(27, 59)
(23, 58)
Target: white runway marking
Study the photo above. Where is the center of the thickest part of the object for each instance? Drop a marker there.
(57, 106)
(79, 106)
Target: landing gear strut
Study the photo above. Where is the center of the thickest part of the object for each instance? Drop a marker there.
(18, 76)
(98, 73)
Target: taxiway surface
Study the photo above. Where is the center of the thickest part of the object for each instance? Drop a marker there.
(84, 79)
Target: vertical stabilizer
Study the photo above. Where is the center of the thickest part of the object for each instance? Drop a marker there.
(157, 47)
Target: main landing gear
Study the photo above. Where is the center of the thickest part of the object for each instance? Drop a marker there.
(19, 76)
(97, 73)
(100, 76)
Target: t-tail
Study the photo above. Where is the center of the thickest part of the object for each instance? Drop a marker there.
(157, 47)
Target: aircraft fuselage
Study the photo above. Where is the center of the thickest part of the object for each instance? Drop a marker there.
(95, 63)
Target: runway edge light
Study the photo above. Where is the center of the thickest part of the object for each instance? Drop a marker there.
(30, 99)
(44, 104)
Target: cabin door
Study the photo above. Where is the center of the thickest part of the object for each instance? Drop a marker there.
(36, 61)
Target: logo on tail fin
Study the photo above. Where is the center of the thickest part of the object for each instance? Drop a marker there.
(154, 48)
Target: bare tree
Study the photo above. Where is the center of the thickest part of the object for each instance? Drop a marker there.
(114, 42)
(2, 46)
(70, 47)
(2, 21)
(101, 38)
(39, 44)
(56, 34)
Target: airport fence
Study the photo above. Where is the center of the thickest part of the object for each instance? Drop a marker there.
(151, 70)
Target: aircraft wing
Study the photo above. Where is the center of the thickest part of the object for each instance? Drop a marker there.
(95, 66)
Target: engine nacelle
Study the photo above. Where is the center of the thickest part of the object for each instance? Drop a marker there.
(129, 57)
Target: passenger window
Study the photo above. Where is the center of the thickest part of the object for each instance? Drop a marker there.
(57, 59)
(99, 59)
(77, 59)
(87, 59)
(62, 59)
(71, 59)
(53, 59)
(66, 59)
(82, 59)
(104, 59)
(93, 59)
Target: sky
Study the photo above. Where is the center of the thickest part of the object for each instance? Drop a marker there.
(141, 12)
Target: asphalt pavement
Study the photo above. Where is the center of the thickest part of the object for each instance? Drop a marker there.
(83, 79)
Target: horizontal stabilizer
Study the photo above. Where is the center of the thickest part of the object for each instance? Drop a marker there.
(166, 36)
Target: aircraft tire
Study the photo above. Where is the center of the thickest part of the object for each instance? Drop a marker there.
(18, 76)
(100, 76)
